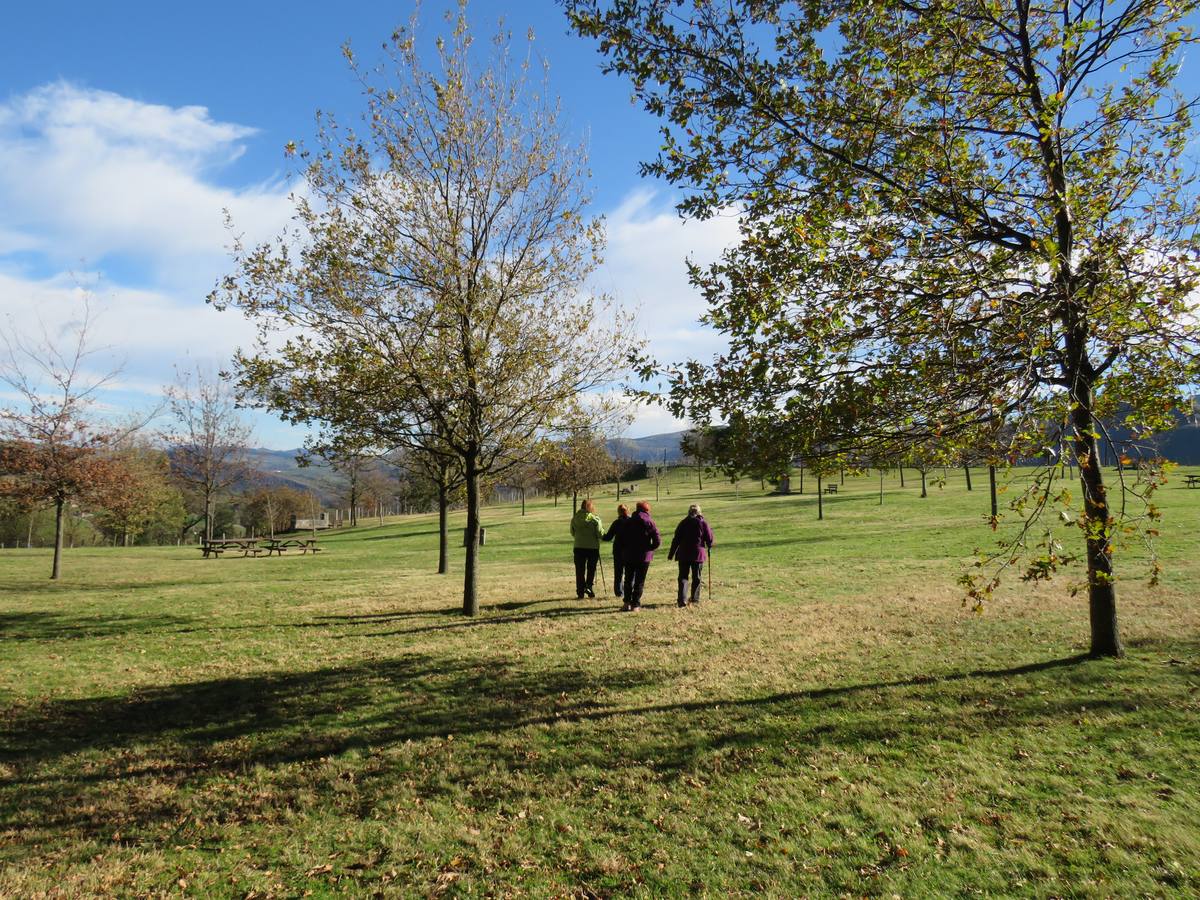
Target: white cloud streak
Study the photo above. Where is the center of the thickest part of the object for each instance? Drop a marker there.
(133, 190)
(85, 174)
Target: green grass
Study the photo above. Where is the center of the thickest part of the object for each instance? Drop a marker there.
(832, 722)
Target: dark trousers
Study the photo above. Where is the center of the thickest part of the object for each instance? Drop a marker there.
(689, 568)
(618, 574)
(635, 581)
(585, 569)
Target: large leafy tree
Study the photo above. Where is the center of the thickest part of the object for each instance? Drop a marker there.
(432, 293)
(956, 216)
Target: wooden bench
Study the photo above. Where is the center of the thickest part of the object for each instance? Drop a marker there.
(831, 488)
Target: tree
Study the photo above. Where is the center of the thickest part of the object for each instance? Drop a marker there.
(138, 495)
(51, 451)
(269, 510)
(378, 489)
(208, 441)
(954, 214)
(434, 286)
(698, 445)
(578, 463)
(351, 460)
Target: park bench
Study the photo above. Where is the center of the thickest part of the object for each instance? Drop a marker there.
(831, 488)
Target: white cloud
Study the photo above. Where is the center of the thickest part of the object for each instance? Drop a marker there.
(87, 173)
(645, 269)
(90, 175)
(132, 189)
(141, 325)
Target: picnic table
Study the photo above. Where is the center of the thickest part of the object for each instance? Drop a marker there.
(258, 546)
(280, 546)
(1192, 480)
(217, 546)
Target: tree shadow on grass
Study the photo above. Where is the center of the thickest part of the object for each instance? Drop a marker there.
(485, 618)
(483, 621)
(40, 625)
(76, 767)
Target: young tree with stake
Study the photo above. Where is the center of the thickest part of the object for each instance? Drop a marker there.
(434, 285)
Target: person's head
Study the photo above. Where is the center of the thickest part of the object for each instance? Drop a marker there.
(622, 511)
(643, 506)
(694, 510)
(588, 505)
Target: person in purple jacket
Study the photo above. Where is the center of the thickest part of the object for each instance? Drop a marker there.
(639, 539)
(693, 539)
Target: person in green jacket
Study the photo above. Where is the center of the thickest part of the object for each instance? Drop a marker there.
(587, 529)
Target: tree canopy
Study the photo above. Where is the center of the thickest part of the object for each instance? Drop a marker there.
(432, 294)
(955, 218)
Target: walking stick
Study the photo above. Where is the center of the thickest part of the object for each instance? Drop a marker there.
(710, 559)
(603, 577)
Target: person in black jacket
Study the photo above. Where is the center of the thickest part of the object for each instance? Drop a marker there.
(614, 534)
(693, 540)
(639, 540)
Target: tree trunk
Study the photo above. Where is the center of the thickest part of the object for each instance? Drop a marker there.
(967, 472)
(353, 504)
(574, 502)
(924, 491)
(802, 480)
(992, 485)
(1102, 590)
(443, 528)
(59, 502)
(881, 487)
(471, 574)
(699, 476)
(820, 498)
(901, 468)
(522, 501)
(208, 519)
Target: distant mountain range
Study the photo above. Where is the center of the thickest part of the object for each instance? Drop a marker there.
(649, 449)
(279, 467)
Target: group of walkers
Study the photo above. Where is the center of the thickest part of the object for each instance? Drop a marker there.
(634, 539)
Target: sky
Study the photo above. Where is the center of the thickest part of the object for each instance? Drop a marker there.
(127, 128)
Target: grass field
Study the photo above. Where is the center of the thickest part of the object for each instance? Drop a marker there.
(831, 722)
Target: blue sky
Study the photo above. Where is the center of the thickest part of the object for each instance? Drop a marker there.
(125, 128)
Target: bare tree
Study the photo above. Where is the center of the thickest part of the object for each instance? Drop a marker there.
(51, 450)
(208, 440)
